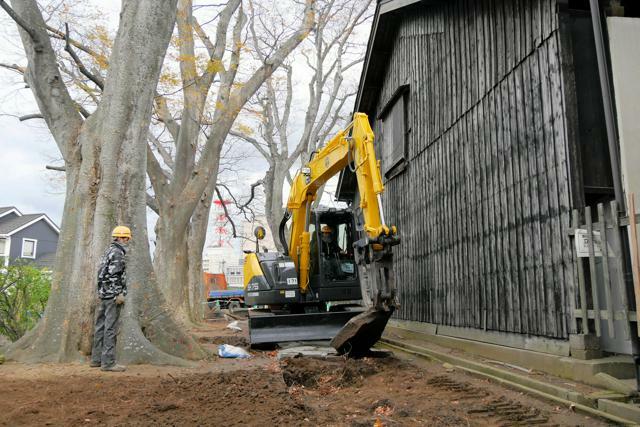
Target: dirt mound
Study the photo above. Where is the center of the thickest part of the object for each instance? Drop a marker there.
(231, 398)
(310, 373)
(234, 398)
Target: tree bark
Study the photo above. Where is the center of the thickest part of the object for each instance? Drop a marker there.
(274, 210)
(105, 159)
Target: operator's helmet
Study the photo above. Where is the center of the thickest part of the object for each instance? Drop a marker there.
(326, 229)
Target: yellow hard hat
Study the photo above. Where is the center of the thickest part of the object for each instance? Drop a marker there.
(326, 229)
(121, 231)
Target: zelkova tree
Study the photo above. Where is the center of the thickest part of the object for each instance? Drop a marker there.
(283, 138)
(183, 163)
(104, 154)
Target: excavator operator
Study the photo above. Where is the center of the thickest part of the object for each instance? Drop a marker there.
(330, 246)
(331, 253)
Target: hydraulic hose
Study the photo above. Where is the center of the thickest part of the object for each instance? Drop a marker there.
(281, 232)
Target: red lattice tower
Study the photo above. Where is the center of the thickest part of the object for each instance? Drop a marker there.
(221, 232)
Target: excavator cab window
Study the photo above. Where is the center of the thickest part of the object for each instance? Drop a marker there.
(335, 239)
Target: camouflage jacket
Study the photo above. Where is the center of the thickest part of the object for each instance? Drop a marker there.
(112, 275)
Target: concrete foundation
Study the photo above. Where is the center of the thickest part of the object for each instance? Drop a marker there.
(571, 368)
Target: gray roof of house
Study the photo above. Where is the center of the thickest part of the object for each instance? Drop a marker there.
(4, 209)
(9, 224)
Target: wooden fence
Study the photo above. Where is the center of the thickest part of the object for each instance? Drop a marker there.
(600, 247)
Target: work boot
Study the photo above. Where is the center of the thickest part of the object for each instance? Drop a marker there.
(115, 368)
(95, 364)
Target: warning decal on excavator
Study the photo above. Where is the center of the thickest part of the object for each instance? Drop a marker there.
(286, 264)
(290, 294)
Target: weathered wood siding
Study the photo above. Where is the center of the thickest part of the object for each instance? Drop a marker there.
(483, 205)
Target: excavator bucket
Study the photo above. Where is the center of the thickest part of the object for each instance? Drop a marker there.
(265, 327)
(377, 282)
(361, 332)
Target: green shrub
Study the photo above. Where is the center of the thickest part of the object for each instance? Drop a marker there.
(24, 291)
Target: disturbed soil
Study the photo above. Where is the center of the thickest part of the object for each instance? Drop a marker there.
(384, 390)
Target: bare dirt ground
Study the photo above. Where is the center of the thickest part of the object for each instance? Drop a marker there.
(387, 391)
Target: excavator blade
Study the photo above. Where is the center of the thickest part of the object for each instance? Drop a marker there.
(361, 332)
(265, 327)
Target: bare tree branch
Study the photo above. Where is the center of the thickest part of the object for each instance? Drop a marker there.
(152, 204)
(30, 116)
(67, 47)
(43, 76)
(56, 168)
(164, 154)
(57, 34)
(18, 69)
(214, 66)
(159, 180)
(226, 212)
(251, 141)
(204, 38)
(245, 206)
(23, 24)
(164, 115)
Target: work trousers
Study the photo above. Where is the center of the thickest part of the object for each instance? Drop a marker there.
(105, 332)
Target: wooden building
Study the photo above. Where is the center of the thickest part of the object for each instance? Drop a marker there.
(490, 121)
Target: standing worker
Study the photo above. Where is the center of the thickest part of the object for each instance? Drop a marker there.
(112, 288)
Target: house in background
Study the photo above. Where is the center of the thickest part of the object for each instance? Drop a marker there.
(27, 237)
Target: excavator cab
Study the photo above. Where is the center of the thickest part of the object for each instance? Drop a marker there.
(333, 273)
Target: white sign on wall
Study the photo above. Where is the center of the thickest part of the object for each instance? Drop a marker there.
(582, 243)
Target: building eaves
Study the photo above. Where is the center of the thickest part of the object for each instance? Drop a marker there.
(6, 210)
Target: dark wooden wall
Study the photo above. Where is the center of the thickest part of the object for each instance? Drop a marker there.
(483, 205)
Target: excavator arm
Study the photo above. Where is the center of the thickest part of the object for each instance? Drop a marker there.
(352, 147)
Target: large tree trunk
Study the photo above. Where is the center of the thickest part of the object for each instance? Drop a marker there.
(105, 187)
(171, 263)
(178, 256)
(196, 239)
(274, 203)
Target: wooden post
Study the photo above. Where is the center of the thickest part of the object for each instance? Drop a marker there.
(634, 255)
(605, 268)
(582, 288)
(617, 244)
(592, 271)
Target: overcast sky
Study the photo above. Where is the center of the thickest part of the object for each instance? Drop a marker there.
(27, 147)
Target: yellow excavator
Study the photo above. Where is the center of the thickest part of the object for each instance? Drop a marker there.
(335, 279)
